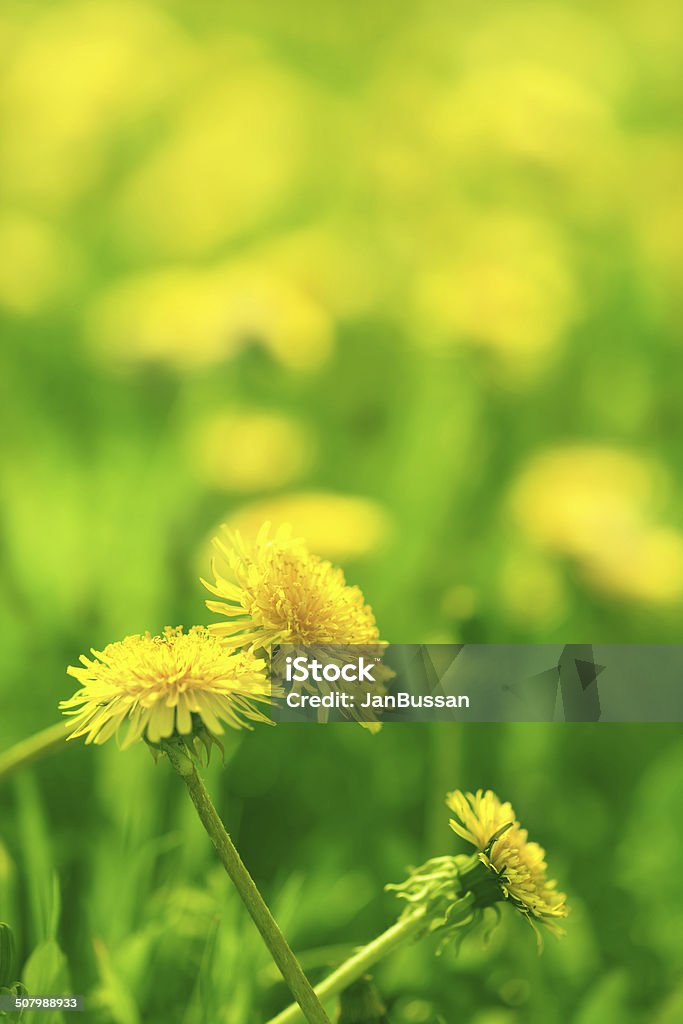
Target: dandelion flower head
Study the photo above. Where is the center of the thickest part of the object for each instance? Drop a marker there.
(161, 685)
(519, 865)
(280, 593)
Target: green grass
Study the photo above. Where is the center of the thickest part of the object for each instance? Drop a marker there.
(107, 880)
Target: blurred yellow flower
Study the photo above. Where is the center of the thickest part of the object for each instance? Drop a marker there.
(281, 594)
(601, 506)
(578, 43)
(337, 526)
(270, 308)
(232, 156)
(506, 286)
(197, 317)
(36, 264)
(161, 685)
(244, 450)
(334, 261)
(655, 207)
(526, 96)
(526, 111)
(517, 865)
(79, 73)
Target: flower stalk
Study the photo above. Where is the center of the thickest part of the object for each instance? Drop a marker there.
(421, 918)
(32, 749)
(356, 966)
(449, 895)
(309, 1007)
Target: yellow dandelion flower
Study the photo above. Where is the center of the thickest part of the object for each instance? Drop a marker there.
(518, 865)
(282, 594)
(451, 895)
(161, 685)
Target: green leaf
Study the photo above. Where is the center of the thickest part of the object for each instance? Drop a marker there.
(34, 834)
(7, 955)
(46, 974)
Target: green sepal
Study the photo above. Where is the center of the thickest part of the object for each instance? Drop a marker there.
(454, 892)
(203, 741)
(495, 837)
(490, 928)
(194, 748)
(16, 991)
(155, 749)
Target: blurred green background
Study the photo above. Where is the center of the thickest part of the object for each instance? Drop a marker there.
(408, 276)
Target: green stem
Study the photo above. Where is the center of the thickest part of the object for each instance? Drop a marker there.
(289, 966)
(33, 748)
(357, 965)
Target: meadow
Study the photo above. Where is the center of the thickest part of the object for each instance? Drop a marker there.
(407, 277)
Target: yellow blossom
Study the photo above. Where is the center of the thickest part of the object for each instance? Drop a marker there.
(161, 685)
(518, 865)
(281, 594)
(273, 449)
(336, 526)
(604, 507)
